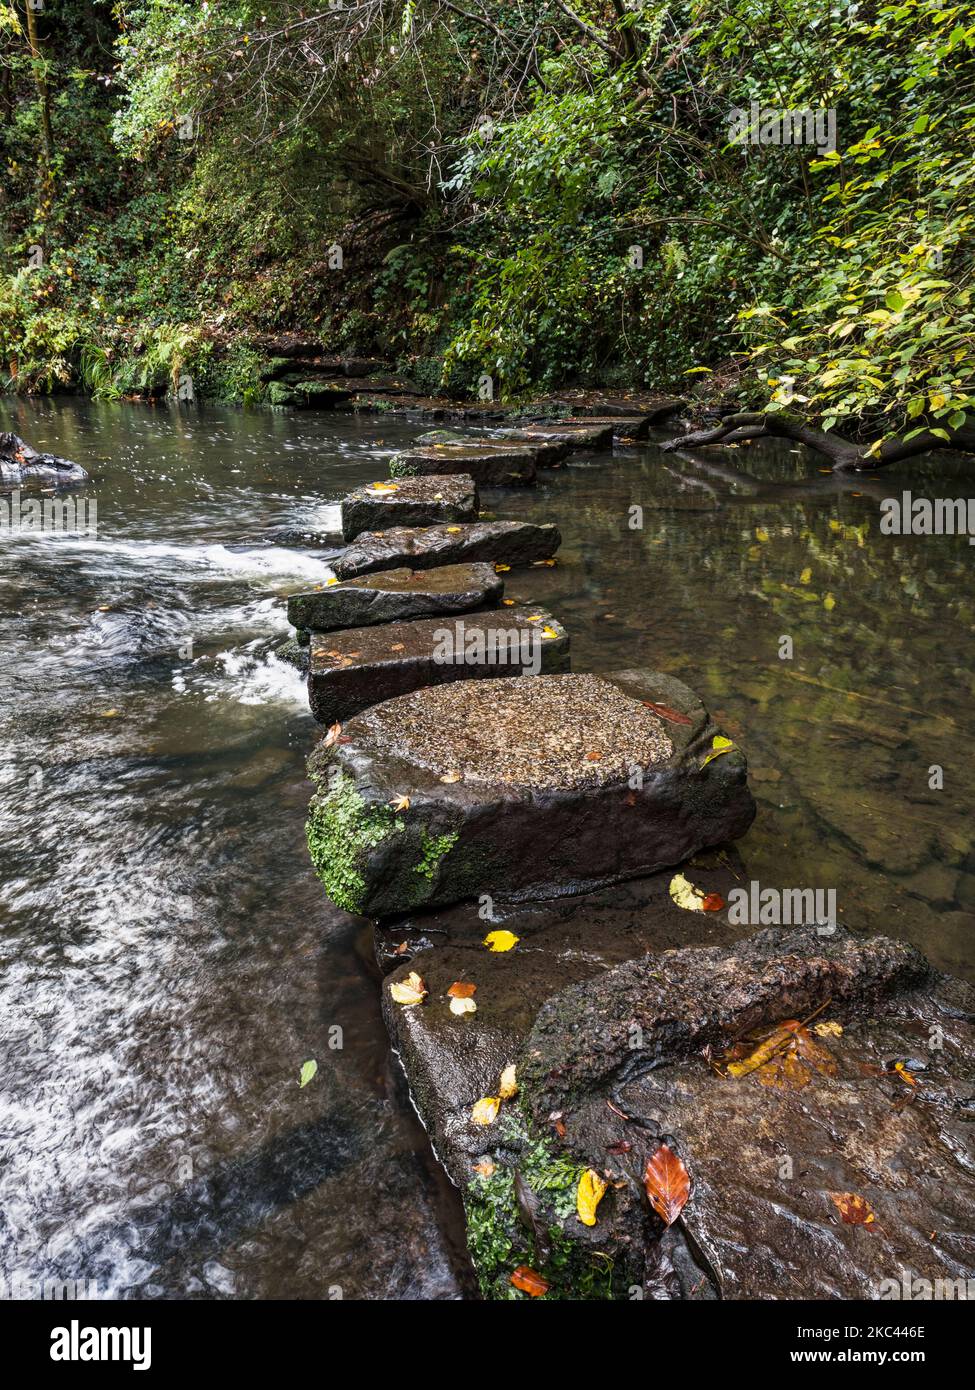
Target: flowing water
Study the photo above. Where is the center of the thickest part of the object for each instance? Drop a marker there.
(168, 960)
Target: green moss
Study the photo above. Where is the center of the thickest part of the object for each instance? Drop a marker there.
(498, 1239)
(341, 828)
(399, 468)
(432, 850)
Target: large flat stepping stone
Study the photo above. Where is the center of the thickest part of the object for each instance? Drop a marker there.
(501, 542)
(359, 667)
(423, 501)
(533, 787)
(398, 595)
(489, 464)
(584, 435)
(656, 410)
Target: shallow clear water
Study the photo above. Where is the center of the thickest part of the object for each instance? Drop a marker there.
(169, 960)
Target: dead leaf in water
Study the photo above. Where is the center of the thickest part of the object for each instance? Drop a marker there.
(667, 1183)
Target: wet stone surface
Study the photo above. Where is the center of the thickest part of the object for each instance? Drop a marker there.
(489, 464)
(426, 501)
(502, 542)
(396, 596)
(358, 667)
(509, 796)
(584, 435)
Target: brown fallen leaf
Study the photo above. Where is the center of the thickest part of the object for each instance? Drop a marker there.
(461, 989)
(485, 1168)
(334, 730)
(400, 803)
(854, 1209)
(398, 647)
(528, 1281)
(666, 712)
(622, 1146)
(667, 1183)
(712, 902)
(594, 757)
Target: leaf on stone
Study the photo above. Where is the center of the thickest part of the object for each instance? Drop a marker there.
(410, 991)
(485, 1111)
(589, 1194)
(854, 1209)
(508, 602)
(501, 569)
(547, 564)
(400, 803)
(461, 989)
(622, 1146)
(712, 902)
(332, 736)
(453, 530)
(384, 487)
(463, 1006)
(686, 895)
(904, 1074)
(330, 582)
(451, 777)
(529, 1282)
(308, 1070)
(398, 647)
(667, 1184)
(500, 940)
(719, 745)
(549, 632)
(594, 757)
(786, 1059)
(485, 1168)
(829, 1029)
(508, 1087)
(665, 712)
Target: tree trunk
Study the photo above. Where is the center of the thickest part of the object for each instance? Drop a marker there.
(44, 98)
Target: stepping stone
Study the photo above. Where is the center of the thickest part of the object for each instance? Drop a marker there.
(358, 667)
(395, 596)
(607, 1058)
(531, 785)
(656, 411)
(623, 426)
(574, 436)
(490, 465)
(410, 502)
(502, 542)
(547, 453)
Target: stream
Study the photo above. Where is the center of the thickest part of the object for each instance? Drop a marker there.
(167, 958)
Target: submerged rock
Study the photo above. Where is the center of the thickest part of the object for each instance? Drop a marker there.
(503, 542)
(397, 595)
(358, 667)
(427, 501)
(535, 786)
(19, 463)
(489, 463)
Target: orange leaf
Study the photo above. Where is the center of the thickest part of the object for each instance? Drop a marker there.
(666, 712)
(713, 902)
(529, 1282)
(854, 1209)
(667, 1184)
(460, 989)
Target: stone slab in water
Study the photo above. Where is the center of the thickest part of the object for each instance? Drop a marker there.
(583, 435)
(359, 667)
(656, 411)
(490, 465)
(20, 463)
(609, 1065)
(533, 787)
(396, 596)
(500, 542)
(426, 501)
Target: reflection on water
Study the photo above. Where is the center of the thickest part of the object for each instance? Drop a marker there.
(168, 960)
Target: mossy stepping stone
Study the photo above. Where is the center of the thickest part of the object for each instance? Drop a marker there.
(544, 785)
(358, 667)
(425, 501)
(396, 596)
(584, 435)
(490, 464)
(501, 542)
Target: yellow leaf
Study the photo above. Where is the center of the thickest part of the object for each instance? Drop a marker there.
(761, 534)
(685, 894)
(829, 603)
(508, 1085)
(501, 569)
(331, 581)
(485, 1112)
(449, 777)
(508, 602)
(500, 940)
(588, 1196)
(463, 1006)
(806, 576)
(410, 991)
(110, 713)
(828, 1029)
(400, 803)
(453, 530)
(549, 632)
(719, 745)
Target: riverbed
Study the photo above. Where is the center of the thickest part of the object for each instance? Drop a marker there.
(169, 961)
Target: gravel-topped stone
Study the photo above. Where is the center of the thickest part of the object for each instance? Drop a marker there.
(500, 542)
(531, 787)
(423, 501)
(490, 464)
(395, 596)
(358, 667)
